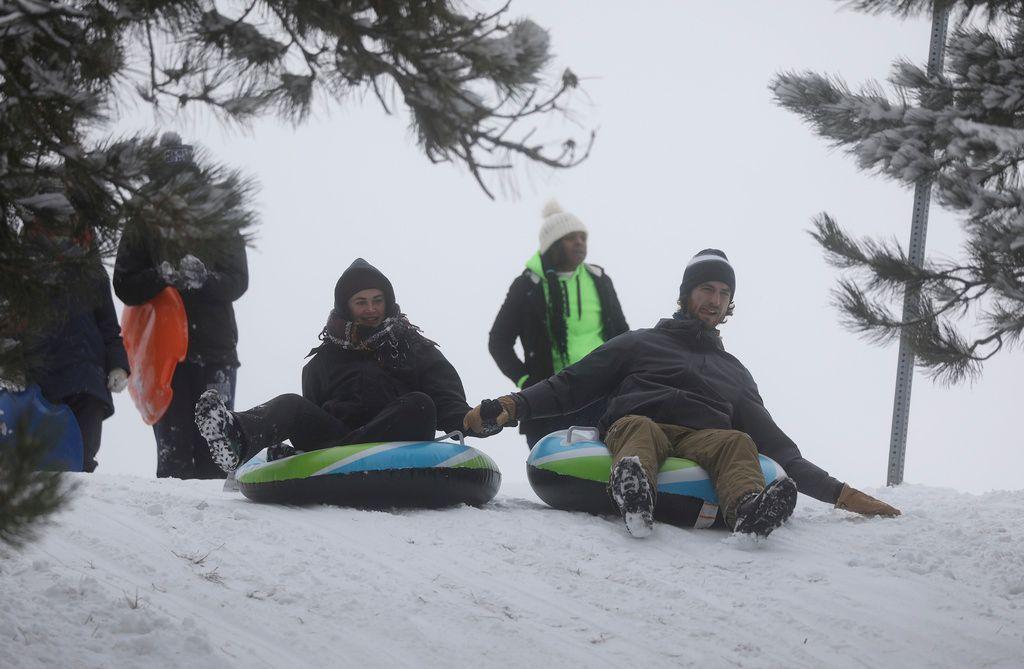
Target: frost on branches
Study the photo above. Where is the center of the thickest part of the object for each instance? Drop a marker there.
(469, 80)
(962, 130)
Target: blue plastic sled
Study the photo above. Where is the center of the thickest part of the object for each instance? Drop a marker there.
(65, 453)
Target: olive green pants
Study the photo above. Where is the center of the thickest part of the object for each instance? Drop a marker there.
(728, 456)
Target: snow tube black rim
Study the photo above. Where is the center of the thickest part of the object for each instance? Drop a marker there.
(403, 488)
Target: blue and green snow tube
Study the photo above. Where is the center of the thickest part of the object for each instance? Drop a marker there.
(426, 474)
(569, 469)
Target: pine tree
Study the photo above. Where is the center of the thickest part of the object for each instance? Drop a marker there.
(962, 130)
(28, 497)
(470, 80)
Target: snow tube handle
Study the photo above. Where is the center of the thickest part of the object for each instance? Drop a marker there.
(452, 435)
(578, 433)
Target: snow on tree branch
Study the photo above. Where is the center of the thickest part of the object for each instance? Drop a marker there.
(961, 131)
(469, 80)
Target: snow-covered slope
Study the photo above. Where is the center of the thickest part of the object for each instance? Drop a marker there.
(140, 572)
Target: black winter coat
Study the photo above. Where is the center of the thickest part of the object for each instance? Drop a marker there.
(212, 331)
(676, 373)
(524, 315)
(77, 354)
(353, 387)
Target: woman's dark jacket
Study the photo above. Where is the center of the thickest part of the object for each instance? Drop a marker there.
(677, 373)
(354, 387)
(76, 354)
(524, 315)
(212, 331)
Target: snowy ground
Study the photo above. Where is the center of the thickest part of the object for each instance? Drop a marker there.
(147, 573)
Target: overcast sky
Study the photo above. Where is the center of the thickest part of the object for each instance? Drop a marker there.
(691, 153)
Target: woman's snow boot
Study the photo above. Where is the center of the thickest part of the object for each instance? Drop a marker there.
(218, 427)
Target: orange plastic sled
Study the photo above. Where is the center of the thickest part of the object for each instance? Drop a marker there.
(156, 338)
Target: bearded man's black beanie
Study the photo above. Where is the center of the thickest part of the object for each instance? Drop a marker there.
(708, 265)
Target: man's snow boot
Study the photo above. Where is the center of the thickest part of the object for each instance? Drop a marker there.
(632, 493)
(761, 512)
(218, 427)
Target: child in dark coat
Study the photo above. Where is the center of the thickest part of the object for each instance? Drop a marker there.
(82, 360)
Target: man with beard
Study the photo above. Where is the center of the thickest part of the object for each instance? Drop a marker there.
(673, 390)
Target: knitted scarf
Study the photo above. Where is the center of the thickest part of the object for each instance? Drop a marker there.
(390, 342)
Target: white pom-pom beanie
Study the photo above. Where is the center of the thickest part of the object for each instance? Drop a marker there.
(557, 224)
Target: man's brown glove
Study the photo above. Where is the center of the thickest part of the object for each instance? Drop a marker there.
(489, 416)
(854, 500)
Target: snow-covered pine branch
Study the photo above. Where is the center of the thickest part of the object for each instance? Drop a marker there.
(962, 131)
(462, 75)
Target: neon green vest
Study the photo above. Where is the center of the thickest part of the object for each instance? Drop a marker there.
(584, 329)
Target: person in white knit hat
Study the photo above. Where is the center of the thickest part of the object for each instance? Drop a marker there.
(560, 308)
(558, 225)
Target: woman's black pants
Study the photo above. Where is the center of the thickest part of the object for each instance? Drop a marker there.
(412, 417)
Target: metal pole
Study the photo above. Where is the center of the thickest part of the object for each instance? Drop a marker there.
(918, 231)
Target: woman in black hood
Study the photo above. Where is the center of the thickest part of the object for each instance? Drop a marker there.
(374, 377)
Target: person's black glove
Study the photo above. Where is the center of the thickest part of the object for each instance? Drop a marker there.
(491, 416)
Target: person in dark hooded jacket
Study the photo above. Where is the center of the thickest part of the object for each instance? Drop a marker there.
(374, 377)
(82, 360)
(560, 308)
(674, 390)
(208, 286)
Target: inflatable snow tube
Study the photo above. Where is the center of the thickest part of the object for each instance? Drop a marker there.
(569, 469)
(424, 474)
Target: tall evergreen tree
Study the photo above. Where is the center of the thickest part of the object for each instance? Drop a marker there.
(470, 80)
(962, 130)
